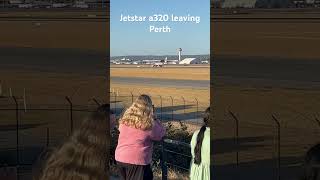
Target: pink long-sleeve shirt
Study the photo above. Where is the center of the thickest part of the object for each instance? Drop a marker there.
(135, 146)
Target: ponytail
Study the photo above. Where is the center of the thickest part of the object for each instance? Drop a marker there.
(200, 136)
(197, 149)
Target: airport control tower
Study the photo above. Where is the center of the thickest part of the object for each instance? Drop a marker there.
(179, 53)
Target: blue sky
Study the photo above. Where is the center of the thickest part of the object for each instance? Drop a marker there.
(134, 38)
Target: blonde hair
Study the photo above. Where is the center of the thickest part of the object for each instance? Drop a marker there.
(84, 155)
(140, 114)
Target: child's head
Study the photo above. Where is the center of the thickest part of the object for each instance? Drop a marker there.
(140, 114)
(312, 164)
(83, 155)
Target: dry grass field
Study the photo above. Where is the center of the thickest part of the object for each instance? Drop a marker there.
(53, 13)
(280, 34)
(41, 30)
(203, 96)
(51, 88)
(163, 73)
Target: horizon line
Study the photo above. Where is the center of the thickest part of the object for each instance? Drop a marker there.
(163, 55)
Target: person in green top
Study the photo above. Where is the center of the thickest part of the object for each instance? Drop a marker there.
(200, 151)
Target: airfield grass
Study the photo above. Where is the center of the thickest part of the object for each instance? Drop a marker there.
(203, 95)
(53, 13)
(85, 35)
(163, 73)
(266, 38)
(52, 88)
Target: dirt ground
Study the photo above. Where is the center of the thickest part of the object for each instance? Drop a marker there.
(279, 34)
(41, 30)
(190, 95)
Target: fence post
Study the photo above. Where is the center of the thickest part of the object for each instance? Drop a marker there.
(96, 101)
(131, 97)
(160, 107)
(24, 100)
(236, 138)
(71, 114)
(48, 137)
(164, 167)
(318, 121)
(184, 105)
(171, 108)
(115, 104)
(17, 130)
(197, 108)
(279, 152)
(10, 92)
(0, 89)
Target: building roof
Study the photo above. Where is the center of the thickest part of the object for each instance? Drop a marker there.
(187, 60)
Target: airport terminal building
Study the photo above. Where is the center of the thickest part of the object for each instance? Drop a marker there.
(190, 61)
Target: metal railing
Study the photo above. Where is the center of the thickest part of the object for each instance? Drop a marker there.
(164, 156)
(168, 108)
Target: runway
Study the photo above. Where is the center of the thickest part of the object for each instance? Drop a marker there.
(175, 83)
(165, 66)
(54, 60)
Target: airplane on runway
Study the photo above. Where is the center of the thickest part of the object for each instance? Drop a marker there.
(160, 63)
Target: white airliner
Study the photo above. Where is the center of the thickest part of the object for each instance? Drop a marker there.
(160, 63)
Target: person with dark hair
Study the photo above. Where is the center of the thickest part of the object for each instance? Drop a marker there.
(200, 150)
(83, 155)
(312, 164)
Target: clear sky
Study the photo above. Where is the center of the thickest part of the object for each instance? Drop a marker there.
(134, 38)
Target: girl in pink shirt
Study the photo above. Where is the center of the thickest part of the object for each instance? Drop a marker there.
(138, 129)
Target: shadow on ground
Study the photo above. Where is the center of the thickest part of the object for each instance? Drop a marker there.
(259, 170)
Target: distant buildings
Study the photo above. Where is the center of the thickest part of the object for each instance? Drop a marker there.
(83, 4)
(266, 3)
(161, 60)
(238, 3)
(185, 61)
